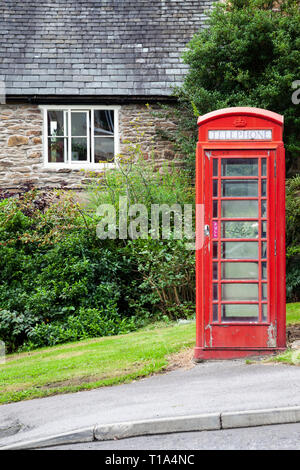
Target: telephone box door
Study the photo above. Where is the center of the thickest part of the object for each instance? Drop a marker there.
(239, 247)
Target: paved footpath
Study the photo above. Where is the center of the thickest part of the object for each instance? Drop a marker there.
(209, 387)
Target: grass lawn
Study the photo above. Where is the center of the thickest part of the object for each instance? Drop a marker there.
(93, 363)
(293, 313)
(290, 356)
(103, 361)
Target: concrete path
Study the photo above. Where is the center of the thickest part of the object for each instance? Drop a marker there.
(209, 387)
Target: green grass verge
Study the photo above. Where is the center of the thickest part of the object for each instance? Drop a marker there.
(293, 313)
(93, 363)
(102, 361)
(290, 356)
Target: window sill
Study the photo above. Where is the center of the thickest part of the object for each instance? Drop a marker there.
(78, 166)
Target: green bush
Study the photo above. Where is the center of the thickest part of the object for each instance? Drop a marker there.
(248, 56)
(88, 323)
(293, 238)
(59, 282)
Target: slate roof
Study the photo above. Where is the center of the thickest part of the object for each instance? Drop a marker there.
(95, 47)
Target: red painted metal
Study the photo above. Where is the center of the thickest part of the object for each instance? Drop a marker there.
(263, 330)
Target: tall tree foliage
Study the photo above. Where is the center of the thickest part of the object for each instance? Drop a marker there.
(248, 56)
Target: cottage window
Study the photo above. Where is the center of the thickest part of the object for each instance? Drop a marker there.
(80, 137)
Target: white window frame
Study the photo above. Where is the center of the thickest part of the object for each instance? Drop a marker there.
(90, 139)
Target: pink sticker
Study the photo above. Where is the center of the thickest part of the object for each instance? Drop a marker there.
(215, 229)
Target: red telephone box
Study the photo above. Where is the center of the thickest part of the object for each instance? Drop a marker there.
(240, 269)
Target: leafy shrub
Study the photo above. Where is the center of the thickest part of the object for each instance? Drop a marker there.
(248, 56)
(59, 282)
(293, 238)
(88, 323)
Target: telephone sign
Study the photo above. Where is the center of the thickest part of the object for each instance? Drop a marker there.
(240, 269)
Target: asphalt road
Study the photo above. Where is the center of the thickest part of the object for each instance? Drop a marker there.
(279, 437)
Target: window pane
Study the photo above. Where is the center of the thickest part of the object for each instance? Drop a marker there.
(215, 312)
(239, 250)
(104, 149)
(56, 124)
(79, 149)
(215, 291)
(240, 229)
(239, 291)
(239, 209)
(215, 208)
(264, 290)
(215, 167)
(215, 270)
(103, 122)
(57, 149)
(264, 188)
(215, 188)
(264, 270)
(239, 312)
(239, 188)
(264, 312)
(264, 229)
(215, 249)
(79, 124)
(239, 270)
(239, 167)
(264, 208)
(264, 249)
(264, 167)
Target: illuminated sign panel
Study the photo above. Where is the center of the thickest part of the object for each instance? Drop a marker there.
(240, 134)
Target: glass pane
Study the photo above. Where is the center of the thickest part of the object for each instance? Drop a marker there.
(239, 167)
(239, 188)
(215, 291)
(78, 124)
(239, 270)
(215, 167)
(264, 229)
(239, 312)
(239, 229)
(103, 122)
(215, 270)
(79, 149)
(264, 249)
(264, 167)
(215, 188)
(57, 149)
(104, 149)
(264, 312)
(239, 250)
(215, 312)
(264, 270)
(239, 209)
(215, 208)
(264, 188)
(264, 208)
(264, 291)
(56, 124)
(215, 249)
(239, 291)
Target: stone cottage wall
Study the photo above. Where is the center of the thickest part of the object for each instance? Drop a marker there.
(21, 146)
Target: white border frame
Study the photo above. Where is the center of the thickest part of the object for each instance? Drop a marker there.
(80, 166)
